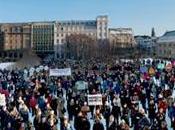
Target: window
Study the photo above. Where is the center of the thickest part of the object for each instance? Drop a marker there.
(62, 40)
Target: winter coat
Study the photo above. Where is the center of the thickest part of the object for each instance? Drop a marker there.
(143, 122)
(32, 103)
(85, 124)
(112, 126)
(77, 123)
(98, 126)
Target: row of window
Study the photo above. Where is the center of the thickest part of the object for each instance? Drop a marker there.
(167, 45)
(78, 23)
(72, 28)
(61, 41)
(68, 34)
(165, 52)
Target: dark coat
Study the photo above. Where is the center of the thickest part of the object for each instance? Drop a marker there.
(113, 126)
(85, 124)
(98, 126)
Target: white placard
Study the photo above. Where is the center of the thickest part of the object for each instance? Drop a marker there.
(60, 72)
(81, 85)
(94, 100)
(2, 100)
(7, 65)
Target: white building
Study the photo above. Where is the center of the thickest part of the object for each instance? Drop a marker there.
(95, 28)
(146, 44)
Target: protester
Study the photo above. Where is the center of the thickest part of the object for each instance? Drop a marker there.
(130, 98)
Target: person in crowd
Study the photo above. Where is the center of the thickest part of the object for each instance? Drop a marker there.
(66, 125)
(33, 97)
(151, 110)
(171, 114)
(116, 109)
(98, 125)
(112, 124)
(106, 113)
(123, 126)
(160, 116)
(125, 114)
(143, 121)
(70, 108)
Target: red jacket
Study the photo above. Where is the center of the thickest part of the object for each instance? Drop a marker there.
(162, 104)
(32, 102)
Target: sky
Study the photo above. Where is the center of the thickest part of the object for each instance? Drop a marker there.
(140, 15)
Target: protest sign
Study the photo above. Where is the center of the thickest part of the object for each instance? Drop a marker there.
(143, 69)
(151, 71)
(81, 85)
(60, 72)
(2, 100)
(94, 100)
(160, 66)
(7, 65)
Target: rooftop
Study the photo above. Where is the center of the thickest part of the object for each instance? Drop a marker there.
(167, 37)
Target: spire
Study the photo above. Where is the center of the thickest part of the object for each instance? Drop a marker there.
(153, 34)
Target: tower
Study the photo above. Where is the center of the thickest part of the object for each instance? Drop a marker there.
(153, 34)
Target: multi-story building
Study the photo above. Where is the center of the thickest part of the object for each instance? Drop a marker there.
(121, 37)
(121, 41)
(42, 37)
(14, 38)
(97, 29)
(146, 44)
(48, 37)
(165, 47)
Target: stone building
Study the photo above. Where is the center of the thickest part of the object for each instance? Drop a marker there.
(165, 47)
(14, 37)
(121, 37)
(97, 29)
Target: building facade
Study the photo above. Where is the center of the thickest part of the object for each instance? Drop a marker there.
(121, 37)
(146, 44)
(42, 37)
(49, 37)
(14, 38)
(165, 47)
(97, 29)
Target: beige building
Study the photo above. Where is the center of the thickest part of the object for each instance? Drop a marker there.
(121, 37)
(97, 29)
(48, 37)
(165, 46)
(14, 37)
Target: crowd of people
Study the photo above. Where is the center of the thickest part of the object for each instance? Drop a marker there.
(131, 99)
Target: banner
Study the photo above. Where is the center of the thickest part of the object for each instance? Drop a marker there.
(161, 66)
(81, 85)
(2, 100)
(60, 72)
(94, 100)
(7, 65)
(151, 71)
(143, 69)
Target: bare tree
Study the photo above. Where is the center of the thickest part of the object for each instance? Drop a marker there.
(80, 46)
